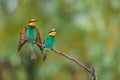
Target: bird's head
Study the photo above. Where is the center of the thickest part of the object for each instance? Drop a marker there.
(52, 32)
(32, 22)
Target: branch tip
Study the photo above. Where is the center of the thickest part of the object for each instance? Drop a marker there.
(92, 71)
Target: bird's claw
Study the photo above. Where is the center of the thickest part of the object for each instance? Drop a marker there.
(34, 42)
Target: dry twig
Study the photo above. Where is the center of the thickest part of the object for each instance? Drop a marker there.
(91, 71)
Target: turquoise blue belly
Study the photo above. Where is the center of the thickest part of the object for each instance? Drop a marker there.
(49, 41)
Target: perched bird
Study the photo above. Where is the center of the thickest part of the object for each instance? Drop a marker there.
(49, 41)
(31, 35)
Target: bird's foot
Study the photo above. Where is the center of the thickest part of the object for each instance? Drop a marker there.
(30, 41)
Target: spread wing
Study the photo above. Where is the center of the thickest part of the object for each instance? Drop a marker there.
(22, 39)
(38, 40)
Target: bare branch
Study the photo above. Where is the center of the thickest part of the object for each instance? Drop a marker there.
(91, 71)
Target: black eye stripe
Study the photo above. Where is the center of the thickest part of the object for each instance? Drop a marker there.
(32, 21)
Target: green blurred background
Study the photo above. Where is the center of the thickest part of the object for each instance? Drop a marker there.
(87, 30)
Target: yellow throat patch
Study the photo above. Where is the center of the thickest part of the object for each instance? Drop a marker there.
(32, 24)
(52, 34)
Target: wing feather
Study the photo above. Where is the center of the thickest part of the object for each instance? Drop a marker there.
(22, 39)
(38, 40)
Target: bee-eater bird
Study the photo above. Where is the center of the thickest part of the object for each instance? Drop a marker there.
(31, 35)
(49, 41)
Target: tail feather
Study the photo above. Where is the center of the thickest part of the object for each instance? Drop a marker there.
(44, 58)
(33, 56)
(45, 54)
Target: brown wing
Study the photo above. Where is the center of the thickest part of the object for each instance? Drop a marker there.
(22, 39)
(38, 40)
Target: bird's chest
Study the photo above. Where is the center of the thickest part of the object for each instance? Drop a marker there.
(31, 35)
(49, 42)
